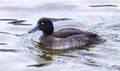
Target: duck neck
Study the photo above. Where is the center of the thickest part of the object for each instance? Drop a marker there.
(46, 34)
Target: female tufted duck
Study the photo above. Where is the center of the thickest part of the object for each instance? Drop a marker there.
(64, 38)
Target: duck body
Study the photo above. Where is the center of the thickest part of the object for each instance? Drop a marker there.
(64, 38)
(69, 38)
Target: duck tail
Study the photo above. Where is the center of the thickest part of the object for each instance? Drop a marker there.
(96, 40)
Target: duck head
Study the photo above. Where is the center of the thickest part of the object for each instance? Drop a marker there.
(45, 25)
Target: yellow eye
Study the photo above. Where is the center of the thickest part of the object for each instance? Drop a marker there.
(42, 23)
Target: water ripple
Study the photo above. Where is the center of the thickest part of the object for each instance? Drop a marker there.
(8, 50)
(16, 22)
(103, 5)
(3, 43)
(59, 19)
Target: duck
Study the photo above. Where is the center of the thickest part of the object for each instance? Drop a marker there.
(64, 38)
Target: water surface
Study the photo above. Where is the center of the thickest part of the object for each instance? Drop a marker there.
(18, 51)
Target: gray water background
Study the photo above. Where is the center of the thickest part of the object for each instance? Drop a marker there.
(17, 17)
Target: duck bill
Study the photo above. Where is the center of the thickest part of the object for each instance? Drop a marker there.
(34, 30)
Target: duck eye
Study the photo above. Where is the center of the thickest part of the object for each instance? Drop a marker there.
(42, 23)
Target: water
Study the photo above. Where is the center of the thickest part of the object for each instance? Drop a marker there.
(18, 53)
